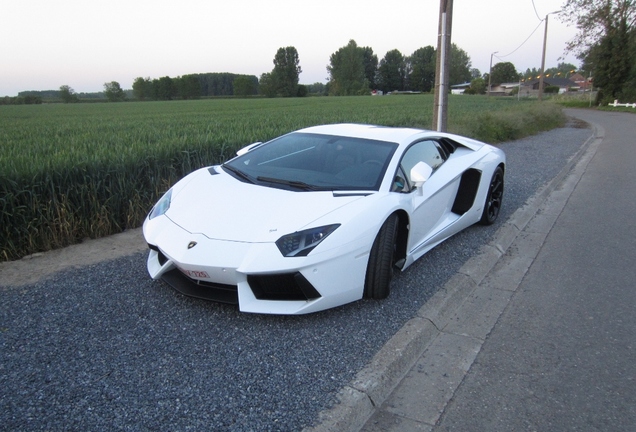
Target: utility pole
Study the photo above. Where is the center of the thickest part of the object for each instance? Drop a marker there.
(442, 64)
(490, 71)
(545, 41)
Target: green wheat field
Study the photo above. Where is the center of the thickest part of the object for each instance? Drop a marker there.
(75, 171)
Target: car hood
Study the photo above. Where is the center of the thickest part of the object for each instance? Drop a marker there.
(224, 208)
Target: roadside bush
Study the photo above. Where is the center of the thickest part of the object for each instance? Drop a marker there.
(507, 126)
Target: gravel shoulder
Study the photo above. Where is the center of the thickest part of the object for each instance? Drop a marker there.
(33, 268)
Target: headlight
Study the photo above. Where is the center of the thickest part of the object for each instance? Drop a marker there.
(162, 205)
(302, 242)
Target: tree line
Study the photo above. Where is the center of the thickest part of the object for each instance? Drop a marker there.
(355, 70)
(194, 86)
(21, 100)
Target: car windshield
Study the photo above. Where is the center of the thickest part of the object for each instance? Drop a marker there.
(304, 161)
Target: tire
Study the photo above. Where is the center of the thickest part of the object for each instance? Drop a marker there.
(381, 261)
(492, 206)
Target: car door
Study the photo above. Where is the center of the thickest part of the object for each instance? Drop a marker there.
(430, 206)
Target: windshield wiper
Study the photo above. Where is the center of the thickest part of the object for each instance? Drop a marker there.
(239, 173)
(292, 183)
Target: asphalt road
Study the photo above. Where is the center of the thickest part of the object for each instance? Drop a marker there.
(104, 347)
(562, 356)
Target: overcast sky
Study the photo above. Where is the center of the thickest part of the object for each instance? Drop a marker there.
(84, 43)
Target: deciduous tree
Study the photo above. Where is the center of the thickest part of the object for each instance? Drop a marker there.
(142, 88)
(317, 88)
(164, 88)
(243, 86)
(266, 85)
(114, 92)
(421, 68)
(392, 72)
(370, 62)
(188, 86)
(504, 72)
(67, 94)
(286, 71)
(606, 42)
(347, 71)
(478, 86)
(459, 67)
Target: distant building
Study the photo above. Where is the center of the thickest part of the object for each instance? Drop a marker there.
(459, 88)
(581, 82)
(564, 84)
(503, 89)
(531, 87)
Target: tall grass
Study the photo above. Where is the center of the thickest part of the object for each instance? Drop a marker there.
(68, 172)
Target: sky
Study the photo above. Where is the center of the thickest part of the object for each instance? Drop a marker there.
(45, 44)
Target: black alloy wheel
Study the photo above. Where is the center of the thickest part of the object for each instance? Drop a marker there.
(381, 261)
(494, 198)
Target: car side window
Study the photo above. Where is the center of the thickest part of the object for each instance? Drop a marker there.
(422, 151)
(400, 183)
(428, 152)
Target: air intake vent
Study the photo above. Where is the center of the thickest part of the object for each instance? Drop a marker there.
(288, 286)
(467, 191)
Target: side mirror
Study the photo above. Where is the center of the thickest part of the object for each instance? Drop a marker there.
(245, 149)
(420, 173)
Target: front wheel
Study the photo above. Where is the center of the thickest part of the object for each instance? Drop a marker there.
(380, 267)
(492, 206)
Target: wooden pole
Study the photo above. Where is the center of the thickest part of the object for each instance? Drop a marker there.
(442, 65)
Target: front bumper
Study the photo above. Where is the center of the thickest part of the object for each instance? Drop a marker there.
(287, 286)
(255, 275)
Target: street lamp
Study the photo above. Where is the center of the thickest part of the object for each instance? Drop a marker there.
(545, 40)
(490, 71)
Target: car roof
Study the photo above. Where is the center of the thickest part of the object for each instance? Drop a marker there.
(400, 135)
(366, 131)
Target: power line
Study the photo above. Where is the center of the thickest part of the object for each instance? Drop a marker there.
(523, 43)
(535, 11)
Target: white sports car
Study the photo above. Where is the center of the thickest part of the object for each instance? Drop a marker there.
(320, 217)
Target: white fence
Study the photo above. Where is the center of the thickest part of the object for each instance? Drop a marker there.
(616, 104)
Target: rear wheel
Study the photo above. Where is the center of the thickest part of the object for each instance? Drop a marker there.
(381, 261)
(492, 206)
